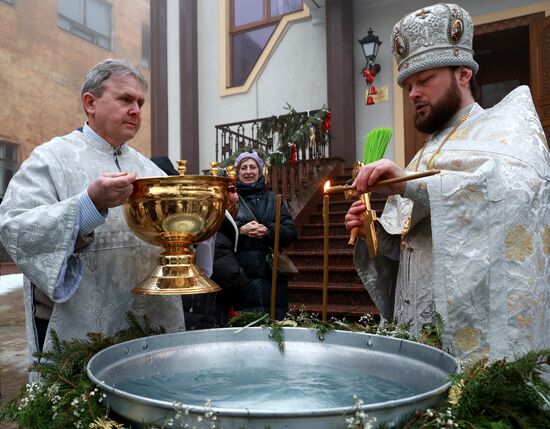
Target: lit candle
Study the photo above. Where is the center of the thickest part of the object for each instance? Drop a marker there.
(339, 188)
(325, 250)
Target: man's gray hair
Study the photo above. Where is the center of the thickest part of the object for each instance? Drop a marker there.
(102, 71)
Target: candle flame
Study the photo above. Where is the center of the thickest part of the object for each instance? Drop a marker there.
(327, 186)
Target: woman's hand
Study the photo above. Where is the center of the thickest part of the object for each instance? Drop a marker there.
(254, 229)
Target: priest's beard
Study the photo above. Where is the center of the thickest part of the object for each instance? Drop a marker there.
(441, 111)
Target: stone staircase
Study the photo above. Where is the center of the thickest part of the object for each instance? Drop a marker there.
(346, 294)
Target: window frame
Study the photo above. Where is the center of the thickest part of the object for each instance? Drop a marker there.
(264, 22)
(14, 162)
(84, 29)
(228, 30)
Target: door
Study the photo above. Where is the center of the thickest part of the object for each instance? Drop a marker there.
(540, 69)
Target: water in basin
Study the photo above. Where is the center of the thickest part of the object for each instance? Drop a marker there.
(288, 387)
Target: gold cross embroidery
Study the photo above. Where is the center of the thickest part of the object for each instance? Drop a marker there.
(423, 13)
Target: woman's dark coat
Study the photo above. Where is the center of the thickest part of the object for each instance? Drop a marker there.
(257, 203)
(227, 272)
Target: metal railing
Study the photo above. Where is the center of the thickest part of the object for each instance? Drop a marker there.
(293, 145)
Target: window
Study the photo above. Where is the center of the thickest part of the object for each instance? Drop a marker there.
(87, 19)
(252, 24)
(8, 164)
(145, 46)
(8, 1)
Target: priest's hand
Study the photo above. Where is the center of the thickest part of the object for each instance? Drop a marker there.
(376, 171)
(111, 189)
(354, 217)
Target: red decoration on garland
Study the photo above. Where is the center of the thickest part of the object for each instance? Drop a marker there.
(293, 155)
(326, 122)
(369, 75)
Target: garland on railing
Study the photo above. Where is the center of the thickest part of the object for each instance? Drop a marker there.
(498, 395)
(296, 131)
(291, 145)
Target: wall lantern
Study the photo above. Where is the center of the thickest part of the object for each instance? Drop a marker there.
(370, 45)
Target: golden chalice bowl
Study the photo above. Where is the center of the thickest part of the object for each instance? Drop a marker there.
(175, 212)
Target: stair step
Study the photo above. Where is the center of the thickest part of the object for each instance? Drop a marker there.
(334, 216)
(344, 204)
(344, 252)
(315, 260)
(346, 295)
(348, 275)
(337, 205)
(307, 258)
(316, 242)
(338, 228)
(334, 286)
(331, 268)
(351, 293)
(340, 310)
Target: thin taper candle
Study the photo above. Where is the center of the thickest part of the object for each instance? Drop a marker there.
(413, 176)
(325, 252)
(275, 256)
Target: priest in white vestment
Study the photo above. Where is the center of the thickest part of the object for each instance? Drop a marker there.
(63, 224)
(472, 243)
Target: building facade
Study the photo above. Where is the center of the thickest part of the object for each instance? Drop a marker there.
(312, 59)
(301, 53)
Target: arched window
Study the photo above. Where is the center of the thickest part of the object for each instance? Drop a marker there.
(251, 24)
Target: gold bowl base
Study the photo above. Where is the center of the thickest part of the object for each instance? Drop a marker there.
(176, 275)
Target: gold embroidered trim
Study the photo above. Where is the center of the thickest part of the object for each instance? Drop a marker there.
(429, 166)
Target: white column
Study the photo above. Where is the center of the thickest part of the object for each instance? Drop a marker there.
(173, 65)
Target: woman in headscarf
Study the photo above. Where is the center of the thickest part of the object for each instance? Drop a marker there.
(256, 223)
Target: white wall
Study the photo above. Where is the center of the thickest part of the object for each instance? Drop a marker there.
(381, 15)
(295, 73)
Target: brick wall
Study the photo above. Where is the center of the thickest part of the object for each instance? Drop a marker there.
(42, 68)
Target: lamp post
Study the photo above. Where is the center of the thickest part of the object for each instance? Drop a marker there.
(370, 45)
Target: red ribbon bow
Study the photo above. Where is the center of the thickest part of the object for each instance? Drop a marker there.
(293, 155)
(326, 122)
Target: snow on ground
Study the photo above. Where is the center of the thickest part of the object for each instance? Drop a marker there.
(10, 282)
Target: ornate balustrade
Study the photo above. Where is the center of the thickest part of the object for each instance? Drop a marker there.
(294, 147)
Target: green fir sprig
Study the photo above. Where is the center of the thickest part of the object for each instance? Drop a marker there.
(65, 397)
(498, 395)
(512, 394)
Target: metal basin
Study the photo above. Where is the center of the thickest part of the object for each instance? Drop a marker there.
(135, 376)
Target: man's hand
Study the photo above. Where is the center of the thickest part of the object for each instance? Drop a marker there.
(111, 189)
(354, 217)
(254, 229)
(377, 171)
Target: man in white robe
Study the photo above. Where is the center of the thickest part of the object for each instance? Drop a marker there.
(473, 242)
(63, 224)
